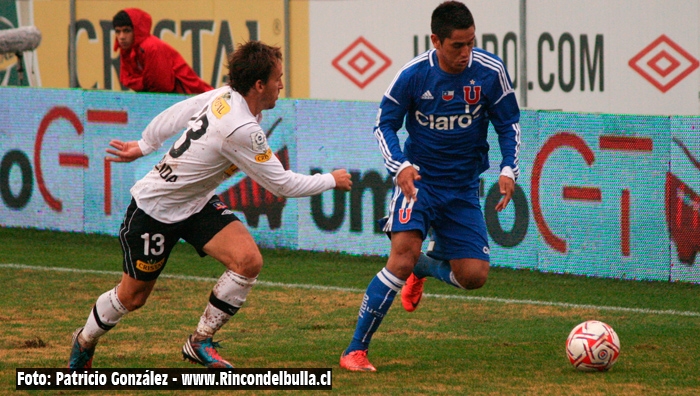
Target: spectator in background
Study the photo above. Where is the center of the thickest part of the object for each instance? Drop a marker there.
(149, 64)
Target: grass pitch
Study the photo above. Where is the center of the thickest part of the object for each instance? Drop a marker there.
(504, 339)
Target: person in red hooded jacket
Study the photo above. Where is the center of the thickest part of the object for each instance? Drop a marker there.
(148, 64)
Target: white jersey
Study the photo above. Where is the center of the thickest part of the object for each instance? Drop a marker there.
(222, 136)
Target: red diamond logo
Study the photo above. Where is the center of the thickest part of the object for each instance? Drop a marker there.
(664, 63)
(361, 62)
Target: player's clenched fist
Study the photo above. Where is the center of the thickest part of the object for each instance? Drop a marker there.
(342, 179)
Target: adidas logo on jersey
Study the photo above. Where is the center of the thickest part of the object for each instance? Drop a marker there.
(427, 95)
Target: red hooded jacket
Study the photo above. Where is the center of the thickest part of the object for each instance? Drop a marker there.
(151, 65)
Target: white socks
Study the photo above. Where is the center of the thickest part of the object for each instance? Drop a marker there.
(106, 313)
(226, 298)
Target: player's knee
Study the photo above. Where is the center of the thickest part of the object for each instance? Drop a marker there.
(473, 278)
(402, 261)
(254, 262)
(406, 252)
(248, 264)
(134, 302)
(472, 282)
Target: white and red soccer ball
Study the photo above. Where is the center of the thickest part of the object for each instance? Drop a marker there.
(593, 346)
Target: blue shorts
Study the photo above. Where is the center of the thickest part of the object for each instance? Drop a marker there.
(459, 229)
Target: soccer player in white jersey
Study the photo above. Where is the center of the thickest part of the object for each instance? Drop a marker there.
(447, 97)
(176, 200)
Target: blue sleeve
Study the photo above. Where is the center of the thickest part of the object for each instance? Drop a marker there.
(390, 118)
(504, 114)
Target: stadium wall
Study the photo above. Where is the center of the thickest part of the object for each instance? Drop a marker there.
(599, 195)
(622, 56)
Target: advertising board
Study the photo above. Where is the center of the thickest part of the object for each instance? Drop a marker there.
(601, 195)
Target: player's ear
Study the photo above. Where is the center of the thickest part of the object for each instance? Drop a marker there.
(435, 40)
(259, 85)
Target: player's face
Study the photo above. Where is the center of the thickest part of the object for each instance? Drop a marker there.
(125, 36)
(271, 89)
(454, 52)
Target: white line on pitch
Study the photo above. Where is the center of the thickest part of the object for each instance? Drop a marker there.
(353, 290)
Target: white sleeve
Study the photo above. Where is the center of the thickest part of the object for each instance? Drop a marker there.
(171, 121)
(247, 148)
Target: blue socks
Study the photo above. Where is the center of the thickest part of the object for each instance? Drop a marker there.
(438, 269)
(381, 292)
(375, 304)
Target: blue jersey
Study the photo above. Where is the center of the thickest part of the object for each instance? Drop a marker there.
(447, 117)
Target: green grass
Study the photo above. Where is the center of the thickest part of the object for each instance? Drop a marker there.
(450, 345)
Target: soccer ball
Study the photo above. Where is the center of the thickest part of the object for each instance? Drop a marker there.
(593, 346)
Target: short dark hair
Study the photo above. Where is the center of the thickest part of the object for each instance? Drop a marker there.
(122, 19)
(448, 17)
(251, 62)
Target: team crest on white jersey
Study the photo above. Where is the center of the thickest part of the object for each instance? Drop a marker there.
(427, 95)
(259, 142)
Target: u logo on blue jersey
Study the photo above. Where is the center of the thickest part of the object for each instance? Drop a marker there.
(405, 215)
(468, 94)
(406, 209)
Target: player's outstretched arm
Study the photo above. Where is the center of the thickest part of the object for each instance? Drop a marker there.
(342, 180)
(125, 151)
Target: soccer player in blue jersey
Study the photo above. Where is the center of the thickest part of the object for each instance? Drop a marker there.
(447, 96)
